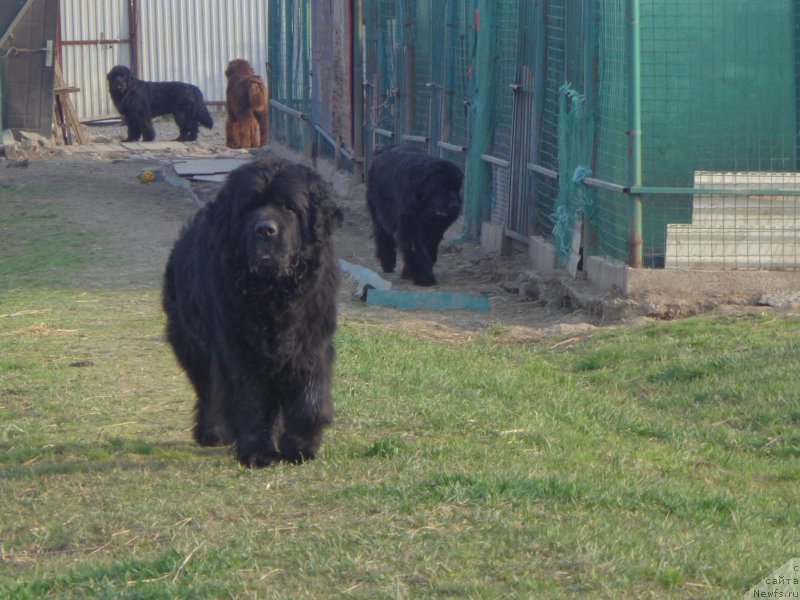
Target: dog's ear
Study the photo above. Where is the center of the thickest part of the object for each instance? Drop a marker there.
(325, 213)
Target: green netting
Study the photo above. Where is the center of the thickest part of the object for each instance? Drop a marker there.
(575, 203)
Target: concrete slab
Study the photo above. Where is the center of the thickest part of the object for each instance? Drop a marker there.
(494, 240)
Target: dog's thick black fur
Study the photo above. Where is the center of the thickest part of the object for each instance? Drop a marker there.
(412, 198)
(139, 102)
(250, 297)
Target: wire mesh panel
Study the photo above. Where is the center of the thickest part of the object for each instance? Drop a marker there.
(507, 15)
(719, 110)
(380, 75)
(420, 46)
(506, 21)
(452, 36)
(549, 76)
(611, 141)
(290, 73)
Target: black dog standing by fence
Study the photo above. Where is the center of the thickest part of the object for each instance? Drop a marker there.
(412, 198)
(250, 296)
(139, 102)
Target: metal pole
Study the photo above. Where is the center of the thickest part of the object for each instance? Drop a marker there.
(357, 42)
(633, 52)
(478, 179)
(590, 80)
(410, 63)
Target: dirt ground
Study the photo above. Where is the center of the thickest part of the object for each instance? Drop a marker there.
(103, 189)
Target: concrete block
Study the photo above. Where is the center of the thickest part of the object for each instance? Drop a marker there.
(494, 240)
(606, 274)
(542, 254)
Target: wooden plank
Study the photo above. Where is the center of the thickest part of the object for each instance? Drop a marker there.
(432, 300)
(70, 118)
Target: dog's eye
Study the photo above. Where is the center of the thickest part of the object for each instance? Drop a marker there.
(266, 228)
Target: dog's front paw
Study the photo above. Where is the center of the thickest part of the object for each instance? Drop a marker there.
(423, 279)
(255, 454)
(258, 460)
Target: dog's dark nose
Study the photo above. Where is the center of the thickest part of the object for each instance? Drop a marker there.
(266, 228)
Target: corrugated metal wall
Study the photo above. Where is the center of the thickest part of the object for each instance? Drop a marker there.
(193, 40)
(179, 40)
(86, 57)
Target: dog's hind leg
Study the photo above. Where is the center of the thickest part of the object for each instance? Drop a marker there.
(188, 127)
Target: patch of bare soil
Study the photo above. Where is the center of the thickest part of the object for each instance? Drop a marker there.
(103, 189)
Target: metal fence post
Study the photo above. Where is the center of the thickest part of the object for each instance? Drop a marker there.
(358, 91)
(633, 55)
(478, 173)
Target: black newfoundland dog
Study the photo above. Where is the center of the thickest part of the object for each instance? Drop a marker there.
(413, 198)
(250, 297)
(140, 101)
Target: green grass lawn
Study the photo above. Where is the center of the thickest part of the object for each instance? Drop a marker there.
(649, 462)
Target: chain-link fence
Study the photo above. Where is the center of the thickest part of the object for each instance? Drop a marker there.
(661, 133)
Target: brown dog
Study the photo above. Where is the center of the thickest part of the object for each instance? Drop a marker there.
(247, 103)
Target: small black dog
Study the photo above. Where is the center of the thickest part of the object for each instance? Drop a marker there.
(250, 296)
(140, 101)
(413, 198)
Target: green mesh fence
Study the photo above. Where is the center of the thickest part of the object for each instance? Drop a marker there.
(610, 163)
(716, 94)
(718, 110)
(290, 74)
(550, 76)
(381, 77)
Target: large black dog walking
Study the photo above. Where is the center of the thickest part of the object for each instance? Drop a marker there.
(412, 198)
(250, 297)
(139, 102)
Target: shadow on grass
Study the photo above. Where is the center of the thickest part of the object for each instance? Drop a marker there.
(115, 454)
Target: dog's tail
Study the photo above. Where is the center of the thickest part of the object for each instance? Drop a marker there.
(203, 116)
(258, 94)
